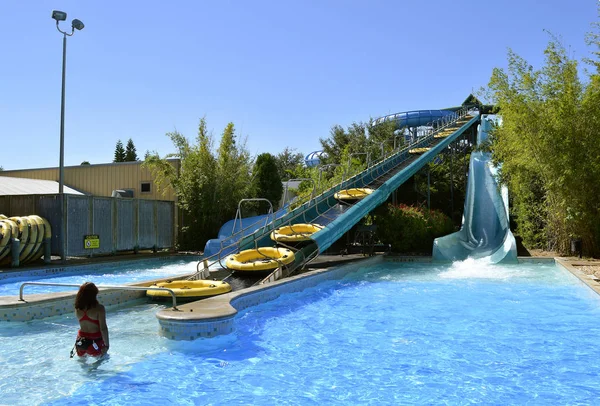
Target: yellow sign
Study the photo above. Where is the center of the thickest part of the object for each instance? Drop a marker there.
(91, 241)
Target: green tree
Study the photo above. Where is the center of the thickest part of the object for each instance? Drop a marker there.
(353, 140)
(119, 152)
(288, 163)
(358, 140)
(130, 153)
(208, 186)
(549, 149)
(266, 182)
(85, 163)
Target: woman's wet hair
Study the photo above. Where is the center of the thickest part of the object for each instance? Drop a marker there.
(86, 297)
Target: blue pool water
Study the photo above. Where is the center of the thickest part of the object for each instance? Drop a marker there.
(103, 274)
(389, 334)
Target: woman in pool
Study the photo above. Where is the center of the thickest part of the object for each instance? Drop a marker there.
(92, 337)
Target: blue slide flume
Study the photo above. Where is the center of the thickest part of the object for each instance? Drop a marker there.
(485, 230)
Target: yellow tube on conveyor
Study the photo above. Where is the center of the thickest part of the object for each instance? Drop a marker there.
(419, 150)
(295, 232)
(261, 259)
(189, 289)
(353, 194)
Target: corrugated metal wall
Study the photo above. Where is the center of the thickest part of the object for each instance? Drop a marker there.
(78, 222)
(164, 223)
(146, 224)
(102, 224)
(126, 228)
(101, 180)
(121, 224)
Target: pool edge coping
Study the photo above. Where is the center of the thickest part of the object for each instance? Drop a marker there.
(572, 267)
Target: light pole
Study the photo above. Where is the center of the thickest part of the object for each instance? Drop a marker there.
(75, 25)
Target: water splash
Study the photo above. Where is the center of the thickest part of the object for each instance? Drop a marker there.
(479, 268)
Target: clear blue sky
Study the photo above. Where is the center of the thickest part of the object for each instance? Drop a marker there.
(284, 72)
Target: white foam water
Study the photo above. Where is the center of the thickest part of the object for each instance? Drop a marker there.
(479, 268)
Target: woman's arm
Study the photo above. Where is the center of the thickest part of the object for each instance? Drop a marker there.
(103, 328)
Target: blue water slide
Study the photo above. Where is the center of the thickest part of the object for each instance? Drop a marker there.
(485, 230)
(415, 118)
(314, 158)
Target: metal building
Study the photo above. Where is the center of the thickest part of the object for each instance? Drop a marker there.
(103, 179)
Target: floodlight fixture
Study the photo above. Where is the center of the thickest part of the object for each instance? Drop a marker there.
(59, 15)
(77, 24)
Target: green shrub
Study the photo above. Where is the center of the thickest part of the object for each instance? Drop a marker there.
(411, 229)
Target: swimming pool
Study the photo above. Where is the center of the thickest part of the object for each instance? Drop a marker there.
(390, 333)
(112, 273)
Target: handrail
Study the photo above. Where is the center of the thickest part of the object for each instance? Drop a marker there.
(124, 287)
(368, 154)
(255, 199)
(295, 180)
(326, 167)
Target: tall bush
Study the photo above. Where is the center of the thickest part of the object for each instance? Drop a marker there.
(266, 182)
(549, 149)
(411, 229)
(208, 185)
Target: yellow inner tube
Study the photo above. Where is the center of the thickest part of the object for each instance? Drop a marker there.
(14, 233)
(47, 235)
(261, 259)
(23, 235)
(201, 288)
(353, 194)
(5, 235)
(295, 232)
(38, 225)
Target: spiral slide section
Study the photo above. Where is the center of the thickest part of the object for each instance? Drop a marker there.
(485, 230)
(414, 118)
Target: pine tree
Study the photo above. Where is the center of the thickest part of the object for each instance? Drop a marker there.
(130, 153)
(119, 152)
